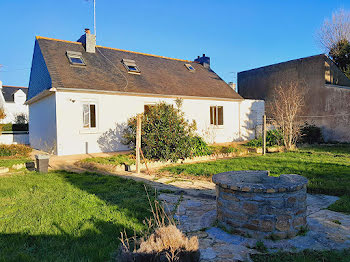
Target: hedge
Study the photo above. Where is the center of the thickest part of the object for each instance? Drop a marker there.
(14, 127)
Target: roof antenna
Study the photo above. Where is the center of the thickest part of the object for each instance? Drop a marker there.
(95, 18)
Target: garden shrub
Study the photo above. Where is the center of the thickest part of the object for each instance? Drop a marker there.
(200, 147)
(14, 150)
(273, 138)
(166, 135)
(311, 134)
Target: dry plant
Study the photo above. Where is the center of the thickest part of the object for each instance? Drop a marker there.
(335, 30)
(2, 116)
(285, 106)
(161, 236)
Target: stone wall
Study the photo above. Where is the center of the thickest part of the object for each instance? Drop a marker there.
(272, 210)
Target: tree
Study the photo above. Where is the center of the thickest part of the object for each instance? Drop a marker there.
(285, 106)
(335, 30)
(166, 134)
(334, 37)
(340, 54)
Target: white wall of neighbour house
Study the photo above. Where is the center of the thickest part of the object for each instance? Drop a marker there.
(13, 109)
(252, 112)
(42, 124)
(113, 111)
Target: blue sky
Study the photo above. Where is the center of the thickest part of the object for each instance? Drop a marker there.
(237, 35)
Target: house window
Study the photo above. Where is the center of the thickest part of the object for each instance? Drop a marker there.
(75, 58)
(89, 115)
(217, 115)
(131, 66)
(190, 67)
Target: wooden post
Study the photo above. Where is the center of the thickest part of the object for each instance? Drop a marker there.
(138, 143)
(264, 134)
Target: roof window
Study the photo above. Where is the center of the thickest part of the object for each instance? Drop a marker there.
(190, 67)
(131, 66)
(75, 58)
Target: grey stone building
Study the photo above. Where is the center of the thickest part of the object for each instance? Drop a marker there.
(328, 91)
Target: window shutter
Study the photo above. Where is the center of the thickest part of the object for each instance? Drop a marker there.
(92, 116)
(220, 115)
(86, 117)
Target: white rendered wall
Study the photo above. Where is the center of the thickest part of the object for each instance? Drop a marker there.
(252, 112)
(42, 124)
(12, 109)
(9, 138)
(113, 112)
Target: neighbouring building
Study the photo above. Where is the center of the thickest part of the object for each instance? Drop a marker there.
(12, 101)
(327, 102)
(81, 96)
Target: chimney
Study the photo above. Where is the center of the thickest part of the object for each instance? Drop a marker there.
(204, 61)
(233, 86)
(89, 41)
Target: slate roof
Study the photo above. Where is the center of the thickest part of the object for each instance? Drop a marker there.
(105, 72)
(9, 91)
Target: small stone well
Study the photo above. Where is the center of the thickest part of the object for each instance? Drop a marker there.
(254, 204)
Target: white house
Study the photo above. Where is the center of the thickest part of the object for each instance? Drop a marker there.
(81, 95)
(12, 101)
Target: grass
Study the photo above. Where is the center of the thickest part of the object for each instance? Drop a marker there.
(9, 162)
(326, 167)
(63, 216)
(305, 256)
(112, 160)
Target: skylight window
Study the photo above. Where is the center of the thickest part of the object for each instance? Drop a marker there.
(131, 66)
(190, 67)
(75, 58)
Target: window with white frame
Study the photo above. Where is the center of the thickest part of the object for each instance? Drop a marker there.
(217, 115)
(89, 115)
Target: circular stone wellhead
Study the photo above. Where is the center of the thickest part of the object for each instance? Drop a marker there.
(254, 204)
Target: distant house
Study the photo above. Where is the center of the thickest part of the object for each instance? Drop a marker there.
(328, 91)
(81, 95)
(12, 100)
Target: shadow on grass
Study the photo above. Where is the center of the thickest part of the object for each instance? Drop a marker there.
(91, 245)
(91, 236)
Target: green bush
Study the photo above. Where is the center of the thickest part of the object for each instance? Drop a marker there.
(310, 134)
(14, 150)
(273, 138)
(199, 147)
(166, 135)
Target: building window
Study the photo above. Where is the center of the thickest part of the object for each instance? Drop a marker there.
(89, 115)
(131, 66)
(217, 115)
(190, 67)
(75, 58)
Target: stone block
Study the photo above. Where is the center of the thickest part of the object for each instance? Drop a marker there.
(283, 223)
(299, 221)
(250, 208)
(230, 197)
(267, 225)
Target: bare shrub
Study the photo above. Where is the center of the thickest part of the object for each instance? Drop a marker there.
(285, 106)
(161, 237)
(334, 30)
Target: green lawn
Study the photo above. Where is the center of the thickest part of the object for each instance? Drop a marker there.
(326, 167)
(112, 160)
(64, 216)
(4, 162)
